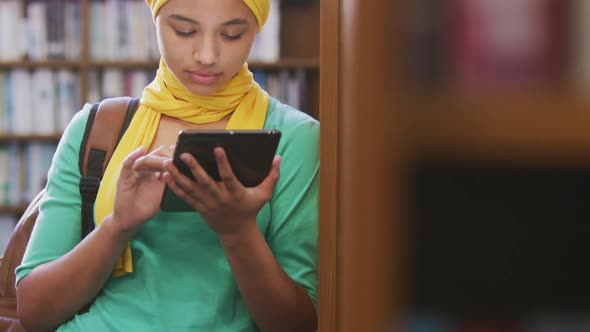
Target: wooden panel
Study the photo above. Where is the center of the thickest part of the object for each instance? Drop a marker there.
(300, 26)
(29, 138)
(85, 49)
(54, 64)
(313, 93)
(504, 128)
(370, 228)
(328, 115)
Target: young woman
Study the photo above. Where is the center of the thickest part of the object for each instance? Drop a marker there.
(246, 260)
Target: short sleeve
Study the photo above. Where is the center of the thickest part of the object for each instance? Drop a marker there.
(293, 231)
(58, 227)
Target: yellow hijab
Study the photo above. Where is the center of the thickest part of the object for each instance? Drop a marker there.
(242, 97)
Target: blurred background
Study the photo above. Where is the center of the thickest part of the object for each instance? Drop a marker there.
(499, 177)
(455, 144)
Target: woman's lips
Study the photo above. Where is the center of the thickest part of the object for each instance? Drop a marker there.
(203, 78)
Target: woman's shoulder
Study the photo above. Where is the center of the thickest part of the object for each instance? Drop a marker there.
(286, 118)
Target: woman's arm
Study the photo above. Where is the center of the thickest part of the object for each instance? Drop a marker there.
(73, 280)
(53, 292)
(275, 301)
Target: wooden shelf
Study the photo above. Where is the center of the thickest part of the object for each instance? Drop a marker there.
(15, 210)
(70, 64)
(28, 138)
(130, 64)
(548, 128)
(287, 63)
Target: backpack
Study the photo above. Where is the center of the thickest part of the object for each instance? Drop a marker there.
(106, 125)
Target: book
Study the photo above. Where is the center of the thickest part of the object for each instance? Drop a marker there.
(506, 43)
(22, 103)
(72, 29)
(12, 30)
(36, 42)
(43, 102)
(267, 44)
(7, 223)
(56, 34)
(67, 98)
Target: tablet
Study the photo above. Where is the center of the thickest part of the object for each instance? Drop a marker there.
(249, 152)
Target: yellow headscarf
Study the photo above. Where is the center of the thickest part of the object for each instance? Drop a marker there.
(259, 8)
(242, 97)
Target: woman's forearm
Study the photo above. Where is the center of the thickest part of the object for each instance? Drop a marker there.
(275, 301)
(53, 292)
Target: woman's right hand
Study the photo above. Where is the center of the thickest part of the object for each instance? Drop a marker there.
(140, 187)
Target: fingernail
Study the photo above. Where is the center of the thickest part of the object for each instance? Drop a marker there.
(185, 158)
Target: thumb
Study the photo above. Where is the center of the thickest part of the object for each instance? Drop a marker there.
(272, 178)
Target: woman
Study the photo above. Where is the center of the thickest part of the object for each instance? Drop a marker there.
(245, 261)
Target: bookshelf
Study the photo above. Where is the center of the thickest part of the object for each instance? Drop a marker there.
(299, 52)
(403, 159)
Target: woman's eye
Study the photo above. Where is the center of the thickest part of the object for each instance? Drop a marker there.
(184, 33)
(232, 37)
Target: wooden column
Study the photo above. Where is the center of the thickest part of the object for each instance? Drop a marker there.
(361, 104)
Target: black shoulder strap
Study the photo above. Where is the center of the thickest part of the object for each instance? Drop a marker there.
(109, 115)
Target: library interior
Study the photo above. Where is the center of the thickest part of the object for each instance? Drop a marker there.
(454, 145)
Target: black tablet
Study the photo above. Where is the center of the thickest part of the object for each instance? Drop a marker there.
(249, 152)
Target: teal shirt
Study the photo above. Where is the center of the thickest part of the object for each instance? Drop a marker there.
(182, 280)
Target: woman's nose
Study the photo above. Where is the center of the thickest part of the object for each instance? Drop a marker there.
(206, 51)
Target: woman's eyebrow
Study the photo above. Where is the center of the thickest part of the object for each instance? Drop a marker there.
(182, 18)
(235, 21)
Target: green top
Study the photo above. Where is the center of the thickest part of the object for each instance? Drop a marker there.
(182, 280)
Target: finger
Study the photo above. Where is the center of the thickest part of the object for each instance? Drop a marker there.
(180, 180)
(131, 158)
(225, 171)
(201, 176)
(181, 193)
(271, 180)
(163, 151)
(150, 162)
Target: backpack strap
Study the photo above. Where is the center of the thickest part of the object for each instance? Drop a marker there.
(106, 125)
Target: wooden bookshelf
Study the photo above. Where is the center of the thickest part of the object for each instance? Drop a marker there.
(53, 64)
(29, 138)
(13, 210)
(377, 127)
(525, 127)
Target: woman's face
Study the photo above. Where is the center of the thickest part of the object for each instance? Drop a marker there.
(205, 43)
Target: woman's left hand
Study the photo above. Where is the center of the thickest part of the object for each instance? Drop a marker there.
(226, 206)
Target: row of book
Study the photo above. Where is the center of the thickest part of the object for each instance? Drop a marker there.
(40, 29)
(38, 102)
(498, 43)
(288, 86)
(7, 223)
(122, 30)
(546, 322)
(23, 171)
(119, 30)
